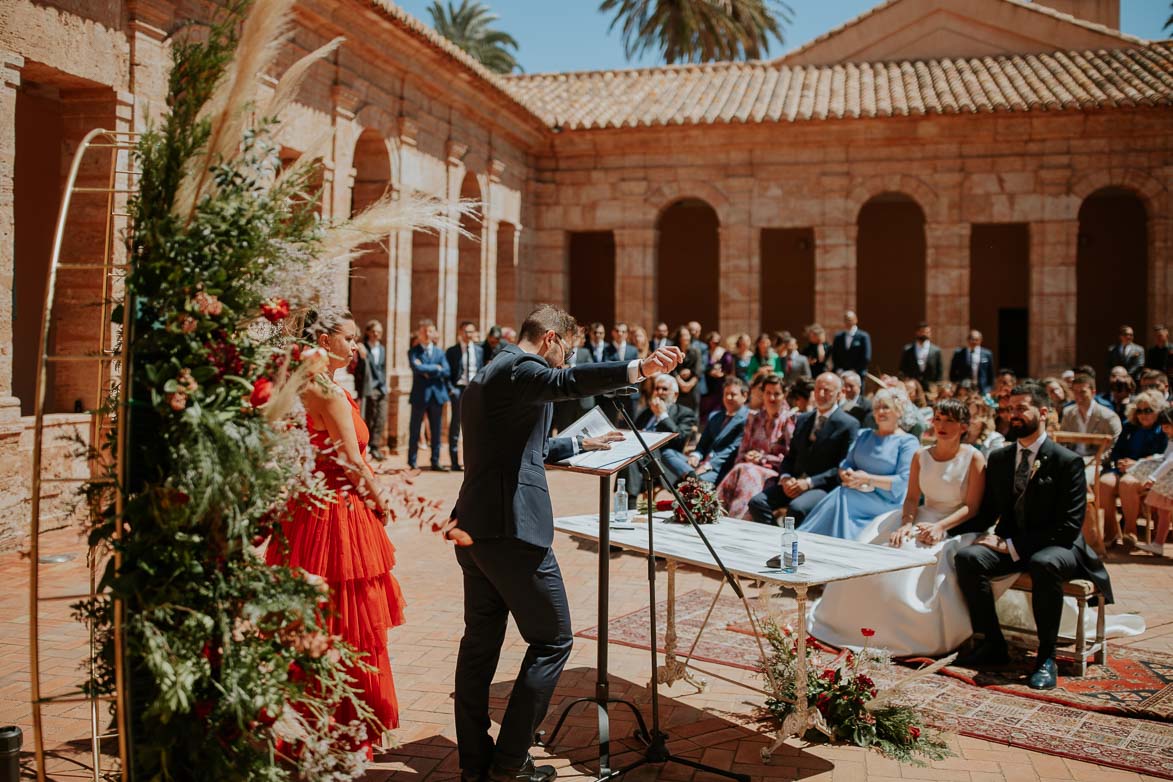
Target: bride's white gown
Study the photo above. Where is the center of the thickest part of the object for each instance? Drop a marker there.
(921, 611)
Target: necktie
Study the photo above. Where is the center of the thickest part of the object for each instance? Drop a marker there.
(819, 421)
(1022, 474)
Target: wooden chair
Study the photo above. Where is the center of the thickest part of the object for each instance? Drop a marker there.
(1083, 591)
(1093, 530)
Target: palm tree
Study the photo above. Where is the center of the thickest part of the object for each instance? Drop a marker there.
(699, 30)
(469, 27)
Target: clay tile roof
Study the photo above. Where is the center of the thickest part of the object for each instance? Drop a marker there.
(771, 92)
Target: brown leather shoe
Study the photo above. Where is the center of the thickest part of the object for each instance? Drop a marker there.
(527, 773)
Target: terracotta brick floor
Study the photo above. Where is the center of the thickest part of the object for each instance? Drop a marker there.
(713, 727)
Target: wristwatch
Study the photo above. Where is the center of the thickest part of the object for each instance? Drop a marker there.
(580, 439)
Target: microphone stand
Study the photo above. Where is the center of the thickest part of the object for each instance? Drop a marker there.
(656, 740)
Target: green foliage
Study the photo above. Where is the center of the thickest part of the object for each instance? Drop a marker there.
(698, 30)
(471, 28)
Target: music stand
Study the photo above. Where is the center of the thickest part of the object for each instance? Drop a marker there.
(602, 695)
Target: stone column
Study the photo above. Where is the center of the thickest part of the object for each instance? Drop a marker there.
(635, 269)
(947, 283)
(150, 57)
(450, 246)
(399, 320)
(834, 273)
(741, 273)
(1052, 295)
(10, 65)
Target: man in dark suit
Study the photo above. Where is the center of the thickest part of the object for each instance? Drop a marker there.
(619, 349)
(1126, 353)
(973, 363)
(713, 457)
(492, 344)
(921, 359)
(855, 404)
(660, 337)
(465, 359)
(370, 385)
(1036, 493)
(1159, 355)
(852, 347)
(811, 468)
(662, 415)
(504, 512)
(429, 392)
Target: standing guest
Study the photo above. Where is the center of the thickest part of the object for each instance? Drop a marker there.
(505, 524)
(597, 346)
(873, 477)
(690, 371)
(620, 349)
(1160, 355)
(639, 338)
(370, 383)
(429, 392)
(973, 363)
(1087, 417)
(492, 344)
(742, 356)
(852, 347)
(340, 536)
(921, 359)
(663, 414)
(764, 444)
(713, 457)
(660, 336)
(810, 470)
(817, 350)
(718, 368)
(855, 403)
(694, 328)
(508, 335)
(1126, 353)
(1035, 493)
(764, 357)
(465, 359)
(794, 364)
(1140, 436)
(1121, 387)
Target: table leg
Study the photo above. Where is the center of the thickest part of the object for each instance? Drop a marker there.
(796, 724)
(673, 670)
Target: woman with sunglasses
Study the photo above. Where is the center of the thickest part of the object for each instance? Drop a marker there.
(1140, 437)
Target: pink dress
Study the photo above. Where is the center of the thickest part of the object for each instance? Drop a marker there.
(769, 435)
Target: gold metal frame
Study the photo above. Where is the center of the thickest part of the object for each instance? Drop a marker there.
(108, 358)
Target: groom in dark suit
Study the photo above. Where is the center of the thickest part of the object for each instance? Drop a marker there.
(506, 528)
(1036, 494)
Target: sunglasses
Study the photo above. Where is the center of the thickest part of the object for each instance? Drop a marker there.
(1145, 410)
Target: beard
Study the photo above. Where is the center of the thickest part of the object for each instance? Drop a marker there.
(1022, 429)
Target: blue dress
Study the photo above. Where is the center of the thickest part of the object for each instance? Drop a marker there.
(846, 513)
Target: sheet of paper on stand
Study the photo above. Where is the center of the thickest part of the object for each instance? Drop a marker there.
(595, 424)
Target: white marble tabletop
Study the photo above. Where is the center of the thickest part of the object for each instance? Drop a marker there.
(745, 546)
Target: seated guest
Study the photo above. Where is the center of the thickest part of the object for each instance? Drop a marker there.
(914, 425)
(742, 356)
(713, 457)
(963, 391)
(662, 415)
(874, 475)
(1155, 380)
(1140, 436)
(1087, 417)
(718, 367)
(855, 403)
(811, 468)
(660, 339)
(981, 432)
(689, 372)
(1121, 387)
(798, 396)
(1057, 393)
(1002, 412)
(757, 385)
(639, 338)
(764, 357)
(764, 444)
(1006, 380)
(794, 364)
(817, 349)
(920, 401)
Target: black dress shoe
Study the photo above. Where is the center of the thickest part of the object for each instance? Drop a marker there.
(1045, 677)
(985, 655)
(456, 467)
(527, 773)
(479, 775)
(440, 468)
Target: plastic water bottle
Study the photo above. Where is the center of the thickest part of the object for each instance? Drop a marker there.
(790, 555)
(619, 512)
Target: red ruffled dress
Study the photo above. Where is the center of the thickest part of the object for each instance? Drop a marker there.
(345, 543)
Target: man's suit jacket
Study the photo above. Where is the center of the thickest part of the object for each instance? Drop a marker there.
(861, 409)
(799, 366)
(455, 355)
(505, 417)
(1130, 356)
(721, 439)
(1159, 357)
(819, 461)
(960, 369)
(1101, 420)
(1053, 507)
(681, 420)
(611, 352)
(854, 353)
(429, 376)
(909, 367)
(376, 369)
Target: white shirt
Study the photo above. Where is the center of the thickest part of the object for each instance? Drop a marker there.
(975, 363)
(597, 349)
(851, 332)
(1033, 450)
(922, 354)
(468, 364)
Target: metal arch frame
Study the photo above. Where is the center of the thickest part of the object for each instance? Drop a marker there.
(104, 358)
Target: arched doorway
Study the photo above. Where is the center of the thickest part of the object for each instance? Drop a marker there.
(468, 270)
(688, 258)
(890, 274)
(368, 295)
(1111, 272)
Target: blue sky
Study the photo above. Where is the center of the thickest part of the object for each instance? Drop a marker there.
(571, 35)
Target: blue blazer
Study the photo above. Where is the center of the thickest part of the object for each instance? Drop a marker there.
(455, 354)
(959, 368)
(505, 416)
(611, 352)
(429, 375)
(721, 439)
(854, 354)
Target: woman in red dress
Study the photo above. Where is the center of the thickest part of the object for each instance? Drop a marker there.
(344, 542)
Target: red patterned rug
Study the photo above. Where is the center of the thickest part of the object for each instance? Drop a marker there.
(1094, 719)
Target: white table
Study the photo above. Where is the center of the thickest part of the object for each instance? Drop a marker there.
(744, 547)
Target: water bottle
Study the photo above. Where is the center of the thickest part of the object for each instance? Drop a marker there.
(10, 741)
(619, 513)
(790, 556)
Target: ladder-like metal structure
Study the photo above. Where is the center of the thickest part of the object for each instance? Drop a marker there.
(108, 358)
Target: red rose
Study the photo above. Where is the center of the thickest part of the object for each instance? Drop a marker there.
(203, 709)
(275, 310)
(914, 732)
(867, 632)
(262, 390)
(296, 673)
(664, 504)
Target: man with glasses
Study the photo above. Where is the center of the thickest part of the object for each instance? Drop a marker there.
(505, 525)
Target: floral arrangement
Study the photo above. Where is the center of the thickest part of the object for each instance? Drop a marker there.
(228, 667)
(701, 498)
(849, 705)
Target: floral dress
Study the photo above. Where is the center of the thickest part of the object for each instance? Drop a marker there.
(769, 435)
